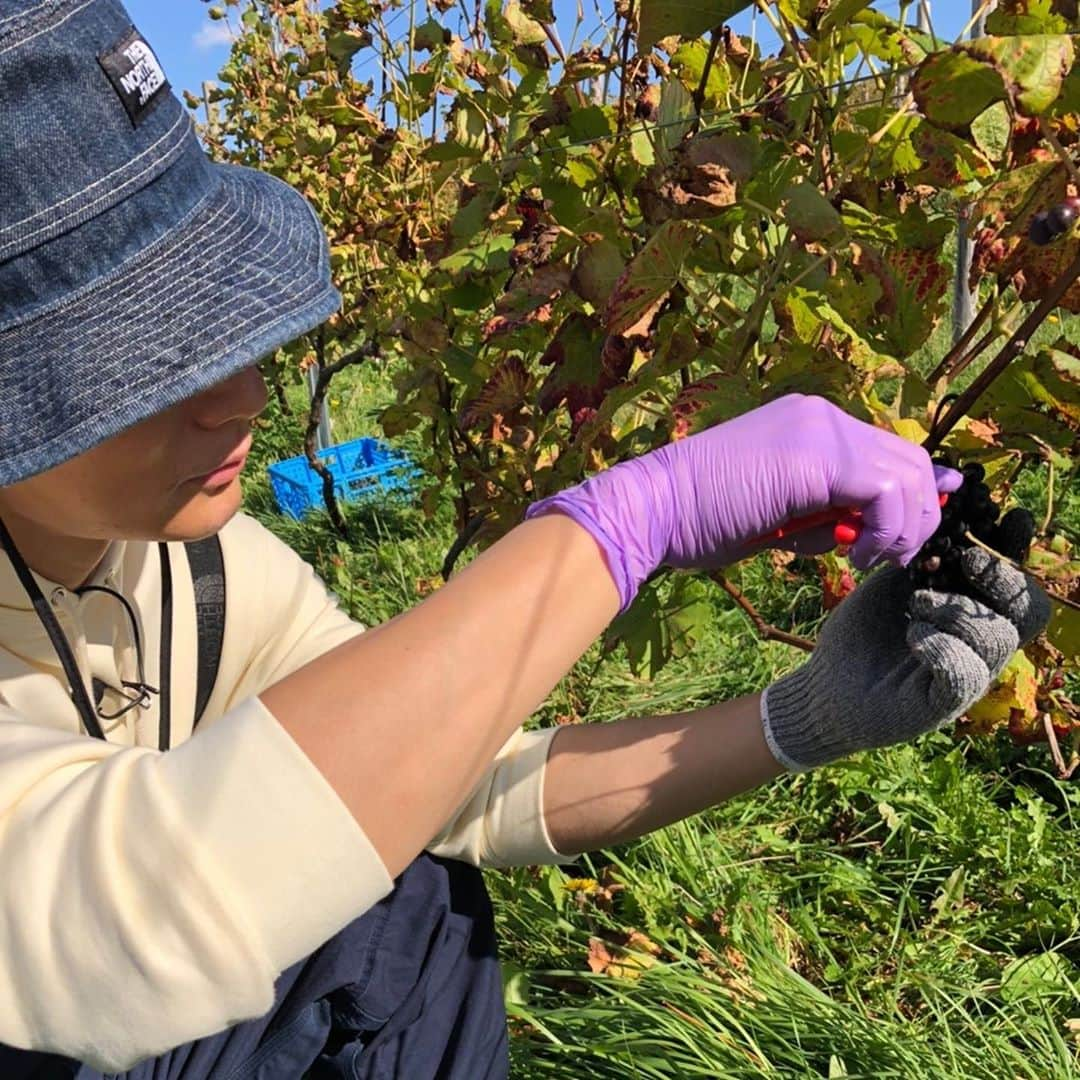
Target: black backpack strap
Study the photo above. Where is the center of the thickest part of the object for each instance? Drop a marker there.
(208, 580)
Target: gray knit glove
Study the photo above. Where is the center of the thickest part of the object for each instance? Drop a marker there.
(892, 663)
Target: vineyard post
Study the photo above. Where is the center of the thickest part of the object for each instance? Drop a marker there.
(925, 24)
(323, 438)
(964, 297)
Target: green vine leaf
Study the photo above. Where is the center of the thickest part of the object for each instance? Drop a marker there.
(512, 25)
(599, 267)
(1064, 630)
(991, 131)
(810, 215)
(837, 13)
(955, 86)
(952, 88)
(688, 63)
(1032, 17)
(1034, 66)
(884, 38)
(430, 35)
(656, 629)
(676, 18)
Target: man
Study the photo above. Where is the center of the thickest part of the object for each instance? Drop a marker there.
(265, 864)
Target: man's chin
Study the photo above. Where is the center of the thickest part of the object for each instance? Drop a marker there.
(206, 514)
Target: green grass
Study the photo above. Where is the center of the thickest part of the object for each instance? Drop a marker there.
(862, 918)
(906, 914)
(867, 913)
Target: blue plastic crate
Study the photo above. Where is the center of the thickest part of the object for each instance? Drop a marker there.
(361, 469)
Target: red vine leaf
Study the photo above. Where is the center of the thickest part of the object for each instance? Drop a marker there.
(506, 390)
(585, 365)
(710, 401)
(647, 282)
(837, 580)
(921, 271)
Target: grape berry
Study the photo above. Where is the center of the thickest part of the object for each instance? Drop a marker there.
(969, 510)
(1047, 225)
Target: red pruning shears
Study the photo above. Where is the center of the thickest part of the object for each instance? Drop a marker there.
(847, 524)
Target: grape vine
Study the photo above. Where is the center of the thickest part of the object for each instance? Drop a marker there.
(573, 254)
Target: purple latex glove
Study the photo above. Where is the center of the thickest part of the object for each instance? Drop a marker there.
(706, 500)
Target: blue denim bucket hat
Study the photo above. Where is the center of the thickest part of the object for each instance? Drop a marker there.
(134, 272)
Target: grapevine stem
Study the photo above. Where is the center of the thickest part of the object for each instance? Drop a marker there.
(1023, 570)
(703, 85)
(322, 386)
(766, 630)
(956, 354)
(553, 36)
(972, 355)
(1074, 757)
(1055, 748)
(625, 68)
(475, 524)
(1012, 348)
(1050, 498)
(1049, 457)
(756, 316)
(1052, 139)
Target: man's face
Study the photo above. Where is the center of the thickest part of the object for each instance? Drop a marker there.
(172, 477)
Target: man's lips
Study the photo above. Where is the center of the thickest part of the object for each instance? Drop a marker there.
(228, 469)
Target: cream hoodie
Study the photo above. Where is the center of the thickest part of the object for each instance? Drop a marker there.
(148, 899)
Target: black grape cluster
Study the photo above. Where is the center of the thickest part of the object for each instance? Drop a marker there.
(970, 509)
(1047, 225)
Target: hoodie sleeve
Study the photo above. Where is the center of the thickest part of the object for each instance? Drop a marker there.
(150, 899)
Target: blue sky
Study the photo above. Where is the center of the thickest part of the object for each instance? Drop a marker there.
(192, 48)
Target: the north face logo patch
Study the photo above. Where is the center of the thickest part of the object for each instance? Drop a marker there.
(135, 74)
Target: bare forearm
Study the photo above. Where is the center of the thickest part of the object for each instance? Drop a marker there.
(607, 783)
(403, 720)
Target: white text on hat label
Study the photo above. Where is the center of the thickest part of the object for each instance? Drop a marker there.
(145, 75)
(135, 74)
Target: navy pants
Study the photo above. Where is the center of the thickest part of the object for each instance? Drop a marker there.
(411, 990)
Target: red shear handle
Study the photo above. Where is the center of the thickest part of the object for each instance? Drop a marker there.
(847, 529)
(848, 525)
